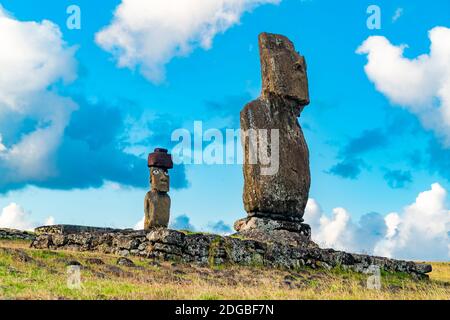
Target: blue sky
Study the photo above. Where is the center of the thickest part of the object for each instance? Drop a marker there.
(371, 152)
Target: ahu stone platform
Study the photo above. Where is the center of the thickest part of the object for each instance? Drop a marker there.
(210, 249)
(13, 234)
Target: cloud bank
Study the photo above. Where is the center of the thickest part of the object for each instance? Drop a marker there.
(14, 216)
(33, 57)
(52, 141)
(148, 34)
(419, 232)
(421, 85)
(183, 222)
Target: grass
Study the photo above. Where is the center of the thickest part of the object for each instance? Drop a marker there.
(41, 274)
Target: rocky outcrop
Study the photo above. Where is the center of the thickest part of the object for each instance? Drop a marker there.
(12, 234)
(281, 194)
(209, 249)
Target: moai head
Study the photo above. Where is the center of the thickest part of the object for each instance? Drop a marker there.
(159, 179)
(283, 70)
(159, 162)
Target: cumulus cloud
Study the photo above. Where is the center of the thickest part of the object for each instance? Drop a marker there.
(220, 227)
(182, 222)
(140, 224)
(148, 34)
(14, 216)
(421, 85)
(419, 232)
(340, 232)
(52, 141)
(33, 56)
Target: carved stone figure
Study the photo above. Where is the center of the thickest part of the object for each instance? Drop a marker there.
(275, 202)
(157, 201)
(283, 195)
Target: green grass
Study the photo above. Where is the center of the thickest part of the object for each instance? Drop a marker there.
(43, 276)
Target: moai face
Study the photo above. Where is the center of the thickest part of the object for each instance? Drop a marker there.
(283, 70)
(159, 179)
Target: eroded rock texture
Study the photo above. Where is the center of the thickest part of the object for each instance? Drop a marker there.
(157, 201)
(12, 234)
(70, 229)
(284, 194)
(269, 230)
(210, 249)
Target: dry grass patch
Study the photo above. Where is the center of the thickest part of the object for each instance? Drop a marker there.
(41, 274)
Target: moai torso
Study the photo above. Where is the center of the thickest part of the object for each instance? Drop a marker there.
(157, 209)
(157, 201)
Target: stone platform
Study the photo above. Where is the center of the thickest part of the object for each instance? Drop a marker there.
(71, 229)
(12, 234)
(210, 249)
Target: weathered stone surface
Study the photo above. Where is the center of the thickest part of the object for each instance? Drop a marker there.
(157, 209)
(160, 159)
(268, 230)
(12, 234)
(96, 261)
(157, 202)
(71, 229)
(284, 194)
(209, 249)
(283, 70)
(125, 262)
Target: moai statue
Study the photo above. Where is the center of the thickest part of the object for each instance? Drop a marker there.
(275, 203)
(157, 201)
(282, 196)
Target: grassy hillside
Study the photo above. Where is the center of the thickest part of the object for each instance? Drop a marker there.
(41, 274)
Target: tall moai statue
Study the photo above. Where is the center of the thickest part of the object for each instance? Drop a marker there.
(282, 195)
(157, 201)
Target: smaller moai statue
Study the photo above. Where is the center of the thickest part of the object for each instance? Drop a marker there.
(157, 201)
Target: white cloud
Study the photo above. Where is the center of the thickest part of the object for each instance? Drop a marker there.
(50, 221)
(150, 33)
(398, 13)
(140, 224)
(421, 85)
(2, 146)
(33, 56)
(392, 222)
(15, 217)
(420, 232)
(340, 232)
(32, 59)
